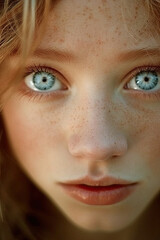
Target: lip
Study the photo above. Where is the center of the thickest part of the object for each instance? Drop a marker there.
(105, 181)
(104, 191)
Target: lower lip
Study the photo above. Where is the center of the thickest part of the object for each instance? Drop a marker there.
(102, 195)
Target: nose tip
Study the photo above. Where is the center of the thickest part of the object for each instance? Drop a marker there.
(103, 148)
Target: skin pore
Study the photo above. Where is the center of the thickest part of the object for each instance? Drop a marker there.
(96, 124)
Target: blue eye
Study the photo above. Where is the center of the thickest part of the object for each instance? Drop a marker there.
(43, 81)
(145, 80)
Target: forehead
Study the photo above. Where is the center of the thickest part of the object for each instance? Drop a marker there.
(93, 25)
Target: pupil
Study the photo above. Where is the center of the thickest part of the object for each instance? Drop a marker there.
(146, 79)
(44, 79)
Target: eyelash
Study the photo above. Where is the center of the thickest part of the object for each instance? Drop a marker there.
(141, 93)
(58, 93)
(39, 95)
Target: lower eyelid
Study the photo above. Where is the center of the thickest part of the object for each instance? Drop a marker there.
(142, 95)
(38, 96)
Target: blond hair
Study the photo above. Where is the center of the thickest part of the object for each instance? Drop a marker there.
(19, 21)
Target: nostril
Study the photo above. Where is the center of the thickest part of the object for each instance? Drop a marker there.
(97, 152)
(98, 147)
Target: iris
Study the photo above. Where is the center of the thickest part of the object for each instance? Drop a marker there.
(147, 80)
(43, 80)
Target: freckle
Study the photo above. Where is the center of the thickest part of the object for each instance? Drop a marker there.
(55, 29)
(90, 16)
(100, 42)
(53, 122)
(61, 40)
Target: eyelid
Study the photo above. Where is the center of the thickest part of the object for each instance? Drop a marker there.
(42, 68)
(137, 70)
(151, 96)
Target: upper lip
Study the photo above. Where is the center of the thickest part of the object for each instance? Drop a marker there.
(105, 181)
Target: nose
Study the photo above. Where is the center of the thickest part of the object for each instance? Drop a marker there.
(96, 136)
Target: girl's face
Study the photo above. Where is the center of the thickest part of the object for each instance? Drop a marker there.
(97, 111)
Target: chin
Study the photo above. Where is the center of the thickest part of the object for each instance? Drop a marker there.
(108, 226)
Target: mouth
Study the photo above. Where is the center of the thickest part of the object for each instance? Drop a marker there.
(105, 191)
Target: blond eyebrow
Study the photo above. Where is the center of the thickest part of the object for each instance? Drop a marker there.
(61, 55)
(139, 53)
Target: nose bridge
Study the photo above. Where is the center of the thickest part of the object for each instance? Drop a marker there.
(95, 134)
(94, 118)
(92, 115)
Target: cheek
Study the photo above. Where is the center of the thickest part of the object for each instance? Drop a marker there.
(35, 138)
(30, 131)
(151, 148)
(23, 131)
(141, 126)
(146, 145)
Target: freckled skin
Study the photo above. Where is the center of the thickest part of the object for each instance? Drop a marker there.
(98, 128)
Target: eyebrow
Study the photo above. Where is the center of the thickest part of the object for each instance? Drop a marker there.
(60, 55)
(63, 55)
(139, 53)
